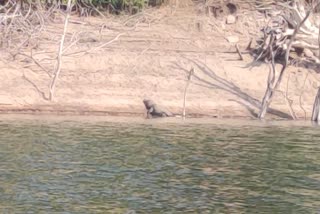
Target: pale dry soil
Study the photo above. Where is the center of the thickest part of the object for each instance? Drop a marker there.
(150, 60)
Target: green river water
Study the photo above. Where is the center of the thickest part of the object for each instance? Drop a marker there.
(122, 166)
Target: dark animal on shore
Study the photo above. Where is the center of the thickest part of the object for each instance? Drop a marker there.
(154, 110)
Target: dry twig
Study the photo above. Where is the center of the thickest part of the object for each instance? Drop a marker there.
(82, 53)
(59, 58)
(289, 101)
(300, 97)
(239, 52)
(185, 92)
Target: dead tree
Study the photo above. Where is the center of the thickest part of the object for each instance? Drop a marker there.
(59, 57)
(279, 40)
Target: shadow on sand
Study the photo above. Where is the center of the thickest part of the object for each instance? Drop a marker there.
(213, 81)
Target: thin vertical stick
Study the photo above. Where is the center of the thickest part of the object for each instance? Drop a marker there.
(59, 57)
(319, 41)
(316, 108)
(289, 102)
(239, 52)
(185, 92)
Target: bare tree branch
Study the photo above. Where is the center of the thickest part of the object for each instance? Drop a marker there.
(59, 58)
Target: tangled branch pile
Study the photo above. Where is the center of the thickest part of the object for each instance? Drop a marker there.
(280, 30)
(291, 35)
(20, 23)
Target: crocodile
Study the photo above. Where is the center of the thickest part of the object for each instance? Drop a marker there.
(154, 110)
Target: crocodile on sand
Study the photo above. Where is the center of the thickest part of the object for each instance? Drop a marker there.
(154, 110)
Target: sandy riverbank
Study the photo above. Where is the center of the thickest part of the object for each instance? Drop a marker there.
(150, 60)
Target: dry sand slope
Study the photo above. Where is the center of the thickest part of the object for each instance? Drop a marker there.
(150, 60)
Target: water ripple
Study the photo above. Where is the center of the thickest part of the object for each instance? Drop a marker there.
(105, 167)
